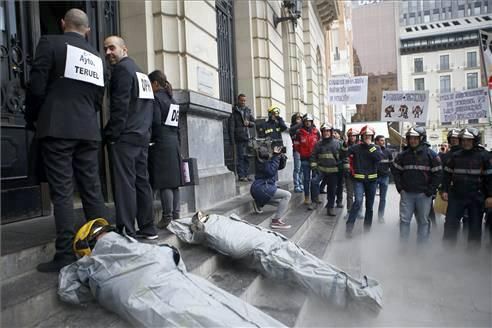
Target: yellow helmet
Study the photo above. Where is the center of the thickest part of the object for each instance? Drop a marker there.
(86, 237)
(273, 109)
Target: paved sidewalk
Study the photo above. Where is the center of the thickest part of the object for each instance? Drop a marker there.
(426, 286)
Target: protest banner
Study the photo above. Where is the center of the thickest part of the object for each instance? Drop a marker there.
(486, 51)
(405, 106)
(347, 90)
(464, 105)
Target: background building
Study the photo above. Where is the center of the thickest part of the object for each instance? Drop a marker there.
(340, 59)
(375, 30)
(439, 53)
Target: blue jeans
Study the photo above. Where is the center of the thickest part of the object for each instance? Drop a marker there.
(297, 174)
(306, 176)
(361, 187)
(383, 189)
(331, 186)
(419, 204)
(242, 159)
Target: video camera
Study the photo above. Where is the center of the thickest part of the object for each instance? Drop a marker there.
(262, 147)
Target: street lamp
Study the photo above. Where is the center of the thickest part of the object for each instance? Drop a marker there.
(294, 12)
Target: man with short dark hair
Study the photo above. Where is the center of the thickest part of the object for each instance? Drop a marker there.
(63, 100)
(240, 122)
(383, 175)
(127, 134)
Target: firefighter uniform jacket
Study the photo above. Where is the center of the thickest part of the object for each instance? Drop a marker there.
(385, 164)
(364, 160)
(417, 170)
(446, 156)
(325, 156)
(468, 172)
(273, 129)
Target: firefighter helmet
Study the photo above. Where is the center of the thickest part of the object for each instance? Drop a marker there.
(470, 133)
(417, 132)
(353, 132)
(307, 117)
(85, 239)
(453, 133)
(326, 126)
(273, 110)
(367, 130)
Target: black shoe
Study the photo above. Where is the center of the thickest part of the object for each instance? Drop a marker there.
(147, 236)
(164, 222)
(331, 212)
(339, 205)
(54, 265)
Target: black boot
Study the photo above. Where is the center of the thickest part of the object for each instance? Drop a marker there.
(164, 222)
(56, 264)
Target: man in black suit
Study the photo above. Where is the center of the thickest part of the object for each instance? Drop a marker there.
(127, 134)
(65, 95)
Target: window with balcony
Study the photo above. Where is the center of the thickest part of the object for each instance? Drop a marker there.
(472, 80)
(419, 84)
(444, 62)
(471, 59)
(445, 83)
(418, 65)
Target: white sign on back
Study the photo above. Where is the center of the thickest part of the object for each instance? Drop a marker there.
(172, 116)
(405, 106)
(144, 87)
(83, 66)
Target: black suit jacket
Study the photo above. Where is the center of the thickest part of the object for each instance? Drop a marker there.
(62, 107)
(130, 117)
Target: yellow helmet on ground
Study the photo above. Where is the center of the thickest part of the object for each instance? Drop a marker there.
(274, 110)
(85, 239)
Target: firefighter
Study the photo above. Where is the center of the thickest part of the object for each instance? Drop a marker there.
(454, 145)
(417, 173)
(352, 139)
(324, 164)
(383, 175)
(307, 137)
(273, 127)
(467, 182)
(364, 158)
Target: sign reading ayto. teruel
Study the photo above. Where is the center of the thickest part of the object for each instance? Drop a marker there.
(464, 105)
(347, 90)
(405, 106)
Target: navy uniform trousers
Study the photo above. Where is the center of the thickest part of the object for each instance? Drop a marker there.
(131, 188)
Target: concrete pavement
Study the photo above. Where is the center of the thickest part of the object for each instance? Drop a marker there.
(427, 286)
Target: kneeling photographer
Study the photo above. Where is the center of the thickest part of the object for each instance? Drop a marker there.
(264, 189)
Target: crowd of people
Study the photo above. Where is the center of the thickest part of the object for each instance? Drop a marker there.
(326, 161)
(67, 86)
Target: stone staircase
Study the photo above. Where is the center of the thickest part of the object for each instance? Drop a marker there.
(29, 298)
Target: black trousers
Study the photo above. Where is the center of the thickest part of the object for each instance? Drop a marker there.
(339, 187)
(131, 188)
(457, 205)
(64, 160)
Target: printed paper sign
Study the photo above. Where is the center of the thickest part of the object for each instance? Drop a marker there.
(144, 87)
(347, 90)
(464, 105)
(405, 106)
(486, 47)
(172, 116)
(83, 66)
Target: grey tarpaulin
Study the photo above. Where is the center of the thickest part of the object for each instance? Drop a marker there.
(143, 284)
(276, 256)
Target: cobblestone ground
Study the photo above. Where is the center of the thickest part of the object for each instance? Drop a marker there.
(429, 286)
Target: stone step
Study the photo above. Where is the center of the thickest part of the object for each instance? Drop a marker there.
(28, 243)
(278, 299)
(37, 301)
